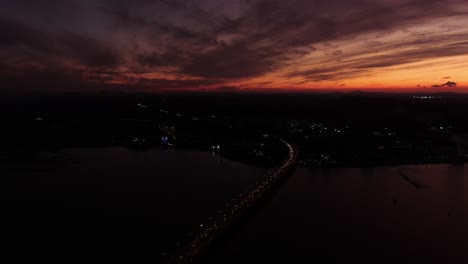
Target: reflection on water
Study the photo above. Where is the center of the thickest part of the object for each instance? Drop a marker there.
(108, 194)
(370, 215)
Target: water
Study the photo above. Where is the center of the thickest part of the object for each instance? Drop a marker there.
(156, 197)
(363, 215)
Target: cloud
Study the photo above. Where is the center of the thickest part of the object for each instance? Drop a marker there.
(21, 40)
(44, 79)
(354, 64)
(228, 89)
(448, 84)
(14, 34)
(233, 62)
(181, 44)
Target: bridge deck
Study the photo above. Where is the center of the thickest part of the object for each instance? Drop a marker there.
(226, 219)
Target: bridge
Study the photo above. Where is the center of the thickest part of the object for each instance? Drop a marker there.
(225, 220)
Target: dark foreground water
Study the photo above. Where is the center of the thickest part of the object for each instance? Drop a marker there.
(150, 200)
(139, 205)
(360, 216)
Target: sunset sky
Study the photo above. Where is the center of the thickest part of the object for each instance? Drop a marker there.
(231, 45)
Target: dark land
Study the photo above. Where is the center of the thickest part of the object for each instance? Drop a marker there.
(340, 129)
(360, 130)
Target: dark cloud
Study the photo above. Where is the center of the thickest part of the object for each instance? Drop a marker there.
(195, 43)
(19, 39)
(171, 56)
(48, 78)
(448, 84)
(124, 19)
(14, 34)
(234, 61)
(86, 51)
(228, 89)
(174, 84)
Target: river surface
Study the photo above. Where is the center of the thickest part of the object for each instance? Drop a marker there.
(155, 198)
(360, 216)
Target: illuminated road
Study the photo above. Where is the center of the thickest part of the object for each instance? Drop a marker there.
(226, 218)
